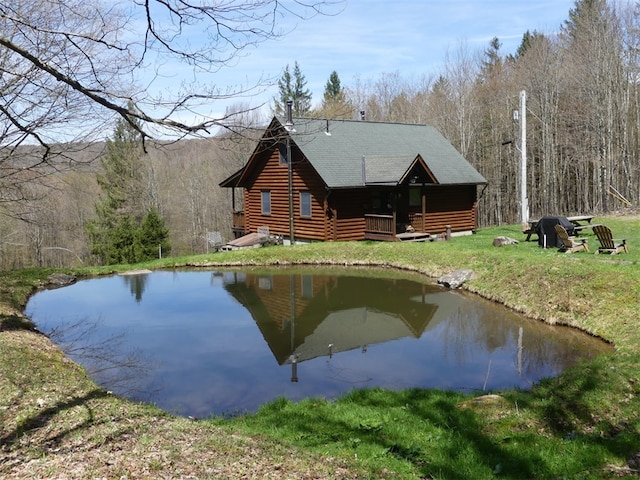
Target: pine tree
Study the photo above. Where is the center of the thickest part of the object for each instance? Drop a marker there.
(528, 39)
(152, 238)
(123, 238)
(293, 87)
(333, 90)
(334, 100)
(286, 92)
(301, 94)
(123, 229)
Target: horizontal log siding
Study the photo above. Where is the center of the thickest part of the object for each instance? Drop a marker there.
(349, 206)
(274, 178)
(451, 205)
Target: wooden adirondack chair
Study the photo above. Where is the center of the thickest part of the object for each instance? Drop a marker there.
(608, 244)
(570, 244)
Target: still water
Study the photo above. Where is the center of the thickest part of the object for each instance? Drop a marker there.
(198, 343)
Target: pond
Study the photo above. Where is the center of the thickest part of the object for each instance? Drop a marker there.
(199, 343)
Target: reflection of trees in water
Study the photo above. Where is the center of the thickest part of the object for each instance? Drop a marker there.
(536, 346)
(137, 284)
(469, 327)
(103, 358)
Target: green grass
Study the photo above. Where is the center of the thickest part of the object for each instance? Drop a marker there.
(583, 424)
(553, 432)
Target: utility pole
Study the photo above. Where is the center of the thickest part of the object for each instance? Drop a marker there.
(524, 201)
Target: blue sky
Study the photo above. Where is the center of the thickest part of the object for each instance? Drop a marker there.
(369, 38)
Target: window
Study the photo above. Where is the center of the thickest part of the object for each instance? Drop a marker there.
(266, 202)
(265, 283)
(283, 153)
(307, 286)
(305, 204)
(415, 197)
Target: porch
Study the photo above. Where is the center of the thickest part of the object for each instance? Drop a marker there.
(386, 228)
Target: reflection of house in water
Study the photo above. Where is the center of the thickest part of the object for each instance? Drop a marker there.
(307, 316)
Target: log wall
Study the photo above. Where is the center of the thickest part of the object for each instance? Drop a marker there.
(349, 222)
(449, 205)
(274, 178)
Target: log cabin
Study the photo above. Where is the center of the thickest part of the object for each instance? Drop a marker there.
(342, 180)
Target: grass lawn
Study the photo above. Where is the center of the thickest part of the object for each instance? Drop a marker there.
(56, 423)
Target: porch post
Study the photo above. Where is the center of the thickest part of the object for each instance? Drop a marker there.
(395, 214)
(424, 209)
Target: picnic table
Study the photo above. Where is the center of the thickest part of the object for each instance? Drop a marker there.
(580, 222)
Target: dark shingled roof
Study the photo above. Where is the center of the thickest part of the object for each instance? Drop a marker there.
(348, 153)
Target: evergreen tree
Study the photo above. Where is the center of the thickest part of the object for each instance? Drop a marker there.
(152, 238)
(528, 40)
(586, 14)
(492, 63)
(119, 232)
(285, 90)
(123, 238)
(301, 94)
(293, 87)
(334, 100)
(333, 90)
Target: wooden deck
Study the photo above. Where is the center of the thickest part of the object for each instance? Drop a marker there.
(414, 237)
(384, 228)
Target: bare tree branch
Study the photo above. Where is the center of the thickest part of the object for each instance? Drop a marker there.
(68, 68)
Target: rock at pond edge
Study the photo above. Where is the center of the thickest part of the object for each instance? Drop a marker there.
(455, 279)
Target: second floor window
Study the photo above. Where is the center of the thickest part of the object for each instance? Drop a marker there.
(305, 204)
(283, 153)
(266, 202)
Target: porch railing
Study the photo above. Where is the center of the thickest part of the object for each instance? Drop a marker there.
(238, 224)
(379, 227)
(238, 220)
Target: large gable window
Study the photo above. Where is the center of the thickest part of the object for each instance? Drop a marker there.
(305, 204)
(266, 202)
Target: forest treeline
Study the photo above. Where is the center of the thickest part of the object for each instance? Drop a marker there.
(582, 118)
(180, 181)
(582, 137)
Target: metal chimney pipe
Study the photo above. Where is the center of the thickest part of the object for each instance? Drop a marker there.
(289, 113)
